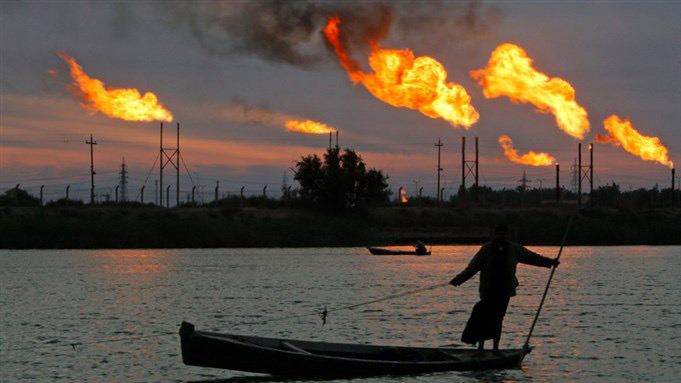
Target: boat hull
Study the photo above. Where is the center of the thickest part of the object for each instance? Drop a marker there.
(303, 358)
(381, 251)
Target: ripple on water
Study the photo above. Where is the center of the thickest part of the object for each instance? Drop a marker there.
(613, 314)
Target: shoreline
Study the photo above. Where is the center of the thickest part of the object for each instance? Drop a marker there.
(114, 227)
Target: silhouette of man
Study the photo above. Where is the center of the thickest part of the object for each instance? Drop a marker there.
(496, 261)
(420, 248)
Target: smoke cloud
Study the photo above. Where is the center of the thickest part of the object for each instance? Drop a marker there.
(290, 31)
(242, 112)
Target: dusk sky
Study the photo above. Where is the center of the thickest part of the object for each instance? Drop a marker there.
(231, 87)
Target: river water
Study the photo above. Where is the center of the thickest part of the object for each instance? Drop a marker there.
(613, 314)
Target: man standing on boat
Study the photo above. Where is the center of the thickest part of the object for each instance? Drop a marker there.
(496, 261)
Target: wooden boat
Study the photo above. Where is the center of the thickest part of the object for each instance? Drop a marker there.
(320, 359)
(381, 251)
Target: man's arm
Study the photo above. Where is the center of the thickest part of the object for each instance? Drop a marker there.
(531, 258)
(473, 267)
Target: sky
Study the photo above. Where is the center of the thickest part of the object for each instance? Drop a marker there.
(231, 72)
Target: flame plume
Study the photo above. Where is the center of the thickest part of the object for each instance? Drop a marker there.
(308, 126)
(126, 104)
(402, 80)
(622, 133)
(510, 73)
(531, 158)
(403, 196)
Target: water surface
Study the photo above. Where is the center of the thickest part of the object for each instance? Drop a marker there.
(612, 314)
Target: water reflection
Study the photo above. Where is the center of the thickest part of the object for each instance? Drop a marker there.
(131, 261)
(611, 314)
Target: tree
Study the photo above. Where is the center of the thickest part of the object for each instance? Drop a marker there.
(18, 197)
(341, 181)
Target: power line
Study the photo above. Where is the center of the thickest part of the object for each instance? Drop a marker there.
(187, 170)
(149, 174)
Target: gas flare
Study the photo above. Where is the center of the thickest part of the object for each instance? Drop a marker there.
(531, 158)
(622, 133)
(402, 80)
(126, 104)
(308, 126)
(510, 73)
(403, 196)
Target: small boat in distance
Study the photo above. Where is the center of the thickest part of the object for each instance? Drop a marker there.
(299, 358)
(382, 251)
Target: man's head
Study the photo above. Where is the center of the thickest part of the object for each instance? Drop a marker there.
(501, 233)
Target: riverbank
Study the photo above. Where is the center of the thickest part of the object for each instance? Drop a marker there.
(203, 227)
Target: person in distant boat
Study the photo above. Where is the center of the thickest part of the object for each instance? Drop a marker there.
(420, 248)
(496, 261)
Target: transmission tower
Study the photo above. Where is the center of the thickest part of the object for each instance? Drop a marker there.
(170, 156)
(124, 181)
(523, 186)
(585, 172)
(469, 167)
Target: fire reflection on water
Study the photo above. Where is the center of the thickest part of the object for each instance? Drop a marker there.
(131, 261)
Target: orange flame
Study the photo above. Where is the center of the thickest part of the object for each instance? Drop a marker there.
(126, 104)
(308, 126)
(510, 73)
(531, 158)
(403, 196)
(621, 133)
(402, 80)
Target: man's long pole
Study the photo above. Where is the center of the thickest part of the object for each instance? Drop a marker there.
(546, 290)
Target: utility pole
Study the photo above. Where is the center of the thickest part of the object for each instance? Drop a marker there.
(573, 177)
(92, 169)
(160, 168)
(439, 169)
(177, 168)
(557, 183)
(672, 201)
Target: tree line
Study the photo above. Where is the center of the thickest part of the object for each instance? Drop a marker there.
(341, 181)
